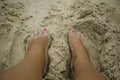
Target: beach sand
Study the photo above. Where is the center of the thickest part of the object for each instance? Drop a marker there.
(97, 21)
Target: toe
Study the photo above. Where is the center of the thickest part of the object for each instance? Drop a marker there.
(36, 34)
(46, 33)
(72, 36)
(31, 38)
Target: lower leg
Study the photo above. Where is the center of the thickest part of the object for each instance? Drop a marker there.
(88, 73)
(83, 68)
(31, 67)
(23, 71)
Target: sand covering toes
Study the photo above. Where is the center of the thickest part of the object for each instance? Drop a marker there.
(40, 34)
(70, 68)
(46, 68)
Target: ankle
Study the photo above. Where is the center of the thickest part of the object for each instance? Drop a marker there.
(83, 69)
(80, 66)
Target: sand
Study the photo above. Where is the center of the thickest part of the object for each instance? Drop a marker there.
(98, 23)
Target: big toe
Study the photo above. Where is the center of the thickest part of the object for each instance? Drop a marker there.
(73, 39)
(47, 37)
(72, 33)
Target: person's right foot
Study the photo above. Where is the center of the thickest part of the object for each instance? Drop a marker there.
(80, 57)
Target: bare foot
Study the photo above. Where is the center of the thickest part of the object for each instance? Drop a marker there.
(38, 42)
(37, 47)
(33, 64)
(80, 56)
(82, 66)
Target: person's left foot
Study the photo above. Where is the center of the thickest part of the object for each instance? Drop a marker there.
(37, 48)
(33, 65)
(38, 42)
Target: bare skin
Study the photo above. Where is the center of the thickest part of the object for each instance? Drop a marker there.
(32, 66)
(83, 68)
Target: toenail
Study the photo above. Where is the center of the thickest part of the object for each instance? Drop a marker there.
(73, 30)
(45, 29)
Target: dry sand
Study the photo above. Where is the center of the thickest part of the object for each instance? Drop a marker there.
(98, 21)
